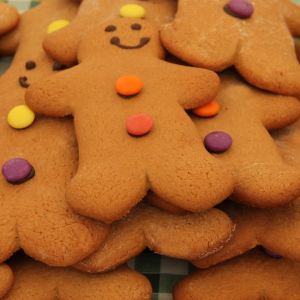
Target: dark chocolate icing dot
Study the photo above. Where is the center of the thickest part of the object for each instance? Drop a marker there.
(22, 81)
(110, 28)
(30, 65)
(136, 26)
(58, 66)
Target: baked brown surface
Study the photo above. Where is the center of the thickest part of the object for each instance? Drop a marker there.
(63, 45)
(262, 178)
(6, 279)
(34, 215)
(9, 17)
(115, 169)
(35, 280)
(187, 236)
(203, 35)
(253, 275)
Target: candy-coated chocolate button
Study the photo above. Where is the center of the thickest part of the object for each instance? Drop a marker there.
(20, 117)
(128, 85)
(16, 169)
(139, 124)
(217, 141)
(132, 11)
(58, 24)
(241, 7)
(272, 254)
(208, 110)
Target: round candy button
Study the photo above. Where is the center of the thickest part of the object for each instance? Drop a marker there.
(217, 141)
(56, 25)
(128, 85)
(139, 124)
(208, 110)
(272, 254)
(17, 170)
(20, 117)
(241, 7)
(132, 11)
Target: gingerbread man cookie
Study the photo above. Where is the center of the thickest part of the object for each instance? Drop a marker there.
(6, 279)
(9, 17)
(187, 236)
(62, 45)
(249, 35)
(33, 214)
(35, 281)
(132, 130)
(262, 178)
(253, 275)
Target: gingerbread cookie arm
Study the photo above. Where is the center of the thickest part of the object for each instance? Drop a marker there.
(187, 37)
(9, 17)
(9, 42)
(254, 275)
(291, 13)
(180, 236)
(280, 77)
(6, 279)
(57, 103)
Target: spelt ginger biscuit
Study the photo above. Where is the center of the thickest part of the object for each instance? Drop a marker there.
(187, 236)
(9, 17)
(253, 275)
(34, 215)
(35, 280)
(205, 35)
(138, 139)
(262, 178)
(62, 45)
(6, 279)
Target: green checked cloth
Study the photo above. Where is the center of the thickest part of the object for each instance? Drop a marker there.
(163, 272)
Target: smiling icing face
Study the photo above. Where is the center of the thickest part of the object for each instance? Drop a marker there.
(122, 36)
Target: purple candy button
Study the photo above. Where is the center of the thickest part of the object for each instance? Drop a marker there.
(241, 7)
(16, 169)
(272, 254)
(217, 141)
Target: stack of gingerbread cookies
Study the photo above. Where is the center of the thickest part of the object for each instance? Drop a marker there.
(147, 124)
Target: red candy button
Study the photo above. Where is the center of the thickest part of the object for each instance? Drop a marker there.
(128, 85)
(139, 124)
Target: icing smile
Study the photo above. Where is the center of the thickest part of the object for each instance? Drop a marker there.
(116, 41)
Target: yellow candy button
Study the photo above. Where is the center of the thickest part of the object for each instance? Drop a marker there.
(132, 11)
(58, 24)
(20, 117)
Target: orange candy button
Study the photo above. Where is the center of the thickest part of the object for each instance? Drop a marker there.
(129, 85)
(139, 124)
(208, 110)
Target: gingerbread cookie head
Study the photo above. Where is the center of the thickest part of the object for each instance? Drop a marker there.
(148, 119)
(63, 45)
(9, 17)
(122, 37)
(210, 34)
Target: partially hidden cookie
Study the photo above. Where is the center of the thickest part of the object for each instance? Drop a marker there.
(132, 130)
(262, 178)
(253, 275)
(6, 279)
(9, 17)
(62, 45)
(35, 281)
(34, 215)
(186, 236)
(206, 34)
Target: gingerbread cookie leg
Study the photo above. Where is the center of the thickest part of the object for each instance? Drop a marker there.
(180, 236)
(6, 279)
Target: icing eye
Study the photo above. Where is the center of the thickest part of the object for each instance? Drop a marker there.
(136, 26)
(110, 28)
(30, 65)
